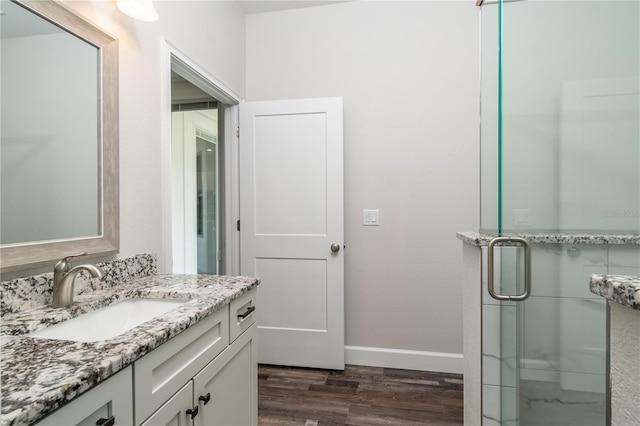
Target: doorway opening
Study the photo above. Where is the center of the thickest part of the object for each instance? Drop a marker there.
(197, 180)
(202, 171)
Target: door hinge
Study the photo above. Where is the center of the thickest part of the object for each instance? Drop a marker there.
(237, 132)
(238, 224)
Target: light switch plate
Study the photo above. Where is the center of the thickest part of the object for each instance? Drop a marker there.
(371, 217)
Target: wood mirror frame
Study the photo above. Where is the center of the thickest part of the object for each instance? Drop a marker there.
(21, 256)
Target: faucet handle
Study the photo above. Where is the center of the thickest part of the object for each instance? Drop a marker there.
(64, 264)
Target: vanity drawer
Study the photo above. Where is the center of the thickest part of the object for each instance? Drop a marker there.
(242, 313)
(163, 371)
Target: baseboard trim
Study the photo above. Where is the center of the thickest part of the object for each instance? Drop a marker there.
(397, 358)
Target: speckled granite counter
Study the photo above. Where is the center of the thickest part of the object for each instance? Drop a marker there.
(479, 239)
(622, 289)
(39, 375)
(623, 293)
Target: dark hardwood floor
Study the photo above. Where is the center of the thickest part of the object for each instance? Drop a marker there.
(357, 396)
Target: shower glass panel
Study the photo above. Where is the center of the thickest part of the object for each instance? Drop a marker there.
(569, 117)
(560, 155)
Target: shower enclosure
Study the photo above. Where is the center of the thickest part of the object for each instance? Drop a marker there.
(560, 168)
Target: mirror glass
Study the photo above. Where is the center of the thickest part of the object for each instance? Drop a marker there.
(50, 144)
(58, 135)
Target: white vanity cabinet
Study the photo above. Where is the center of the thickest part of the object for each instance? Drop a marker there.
(200, 377)
(224, 393)
(205, 376)
(173, 411)
(230, 382)
(230, 385)
(165, 370)
(109, 403)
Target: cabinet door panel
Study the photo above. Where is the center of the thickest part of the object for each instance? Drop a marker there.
(113, 397)
(173, 412)
(163, 371)
(231, 382)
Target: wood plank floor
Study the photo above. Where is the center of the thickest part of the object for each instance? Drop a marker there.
(357, 396)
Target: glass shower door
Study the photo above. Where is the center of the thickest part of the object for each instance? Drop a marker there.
(560, 157)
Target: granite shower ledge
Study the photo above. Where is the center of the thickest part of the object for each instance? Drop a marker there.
(40, 375)
(622, 289)
(480, 240)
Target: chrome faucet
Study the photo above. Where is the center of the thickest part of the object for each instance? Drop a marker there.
(64, 277)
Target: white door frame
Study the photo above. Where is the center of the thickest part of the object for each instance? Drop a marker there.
(174, 58)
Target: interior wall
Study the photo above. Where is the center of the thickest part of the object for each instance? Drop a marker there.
(211, 33)
(408, 74)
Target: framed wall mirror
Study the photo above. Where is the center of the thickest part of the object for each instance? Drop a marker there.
(59, 136)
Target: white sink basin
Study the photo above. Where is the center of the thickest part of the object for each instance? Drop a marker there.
(108, 322)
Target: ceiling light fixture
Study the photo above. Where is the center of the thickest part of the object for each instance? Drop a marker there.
(142, 10)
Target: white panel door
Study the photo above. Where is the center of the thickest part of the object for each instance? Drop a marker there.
(291, 208)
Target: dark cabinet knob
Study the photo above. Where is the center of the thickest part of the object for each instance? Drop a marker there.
(205, 398)
(193, 412)
(248, 312)
(106, 422)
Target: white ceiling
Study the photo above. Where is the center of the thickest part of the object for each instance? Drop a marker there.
(262, 6)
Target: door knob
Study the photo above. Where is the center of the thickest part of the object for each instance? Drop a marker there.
(335, 247)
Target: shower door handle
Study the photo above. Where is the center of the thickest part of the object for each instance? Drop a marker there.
(527, 268)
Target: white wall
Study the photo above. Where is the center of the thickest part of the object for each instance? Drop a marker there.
(408, 73)
(212, 34)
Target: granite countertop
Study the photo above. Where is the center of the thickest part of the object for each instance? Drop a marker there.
(622, 289)
(39, 375)
(480, 239)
